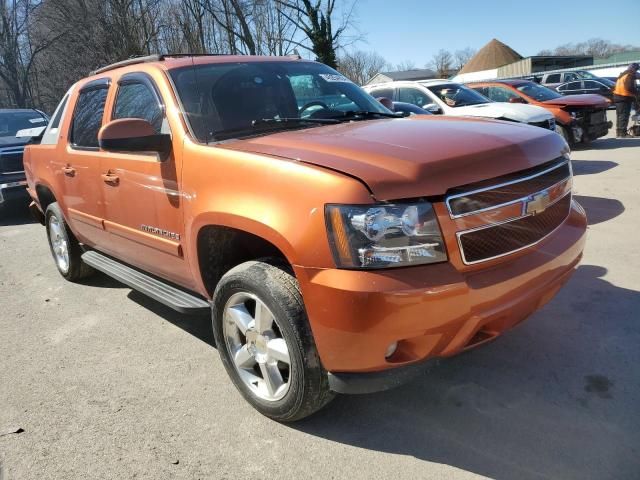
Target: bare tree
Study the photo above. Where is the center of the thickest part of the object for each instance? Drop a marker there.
(404, 65)
(596, 47)
(316, 21)
(461, 57)
(19, 48)
(442, 63)
(360, 66)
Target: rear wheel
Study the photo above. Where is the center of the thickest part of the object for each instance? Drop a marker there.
(265, 343)
(65, 248)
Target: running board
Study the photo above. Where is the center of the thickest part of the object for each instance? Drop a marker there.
(164, 293)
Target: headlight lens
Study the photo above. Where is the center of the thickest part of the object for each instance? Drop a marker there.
(385, 235)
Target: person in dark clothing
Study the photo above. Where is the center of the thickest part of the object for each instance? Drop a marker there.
(625, 95)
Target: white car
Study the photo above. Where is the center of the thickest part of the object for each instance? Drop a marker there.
(450, 98)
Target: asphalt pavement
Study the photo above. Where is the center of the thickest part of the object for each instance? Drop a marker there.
(97, 381)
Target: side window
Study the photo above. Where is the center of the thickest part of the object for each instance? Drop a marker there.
(414, 96)
(137, 100)
(574, 86)
(500, 94)
(55, 122)
(553, 78)
(570, 77)
(591, 85)
(382, 92)
(482, 91)
(87, 118)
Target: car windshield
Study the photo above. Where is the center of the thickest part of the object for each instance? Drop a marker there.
(455, 95)
(229, 100)
(538, 92)
(12, 122)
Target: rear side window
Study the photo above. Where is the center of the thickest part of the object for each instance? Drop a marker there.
(55, 123)
(136, 100)
(553, 78)
(87, 118)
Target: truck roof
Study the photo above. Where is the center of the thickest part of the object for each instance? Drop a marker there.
(177, 60)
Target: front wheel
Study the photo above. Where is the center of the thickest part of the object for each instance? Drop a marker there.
(565, 133)
(265, 343)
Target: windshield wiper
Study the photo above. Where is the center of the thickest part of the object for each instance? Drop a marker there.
(270, 125)
(262, 121)
(367, 113)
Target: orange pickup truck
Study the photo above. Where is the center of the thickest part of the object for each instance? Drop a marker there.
(337, 246)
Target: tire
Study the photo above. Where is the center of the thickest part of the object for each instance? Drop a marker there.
(64, 246)
(566, 134)
(298, 388)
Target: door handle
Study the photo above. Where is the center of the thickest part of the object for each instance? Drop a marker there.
(110, 179)
(69, 171)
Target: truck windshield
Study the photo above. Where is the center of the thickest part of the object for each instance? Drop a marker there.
(11, 122)
(455, 95)
(229, 100)
(538, 92)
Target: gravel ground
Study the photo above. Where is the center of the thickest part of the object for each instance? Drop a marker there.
(107, 384)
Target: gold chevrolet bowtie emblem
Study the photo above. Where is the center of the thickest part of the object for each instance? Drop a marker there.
(537, 203)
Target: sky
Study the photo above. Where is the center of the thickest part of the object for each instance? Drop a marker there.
(414, 30)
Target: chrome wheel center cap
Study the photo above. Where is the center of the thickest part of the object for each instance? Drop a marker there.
(257, 345)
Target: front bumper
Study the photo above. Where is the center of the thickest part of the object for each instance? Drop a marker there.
(431, 311)
(13, 190)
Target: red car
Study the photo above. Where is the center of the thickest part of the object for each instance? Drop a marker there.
(579, 118)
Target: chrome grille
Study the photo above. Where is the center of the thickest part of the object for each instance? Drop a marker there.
(506, 190)
(493, 241)
(11, 160)
(544, 195)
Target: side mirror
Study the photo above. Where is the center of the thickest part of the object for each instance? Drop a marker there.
(132, 135)
(517, 100)
(432, 108)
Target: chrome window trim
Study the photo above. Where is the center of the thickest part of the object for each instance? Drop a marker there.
(513, 219)
(500, 185)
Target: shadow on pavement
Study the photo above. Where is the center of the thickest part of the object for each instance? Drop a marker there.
(101, 280)
(15, 213)
(555, 398)
(197, 325)
(600, 209)
(590, 167)
(613, 143)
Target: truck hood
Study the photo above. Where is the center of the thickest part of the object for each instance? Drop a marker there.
(13, 141)
(584, 100)
(416, 156)
(512, 111)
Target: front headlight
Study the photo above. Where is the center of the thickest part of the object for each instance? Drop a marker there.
(384, 235)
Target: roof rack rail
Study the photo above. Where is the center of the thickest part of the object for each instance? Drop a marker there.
(157, 57)
(128, 61)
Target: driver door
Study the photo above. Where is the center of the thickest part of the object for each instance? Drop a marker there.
(141, 190)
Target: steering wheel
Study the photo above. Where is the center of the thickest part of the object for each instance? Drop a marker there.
(315, 103)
